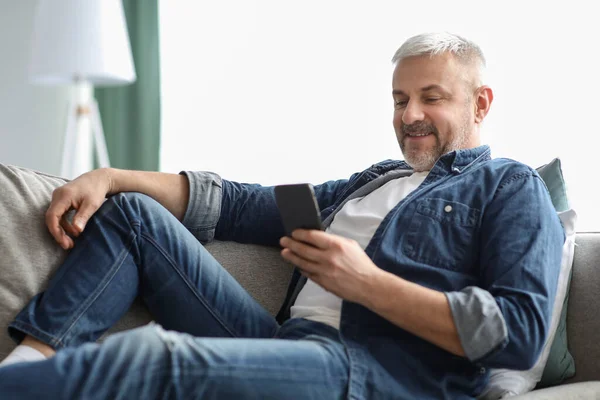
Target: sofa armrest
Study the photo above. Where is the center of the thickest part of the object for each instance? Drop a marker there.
(583, 324)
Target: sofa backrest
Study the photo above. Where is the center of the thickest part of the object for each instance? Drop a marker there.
(259, 269)
(583, 312)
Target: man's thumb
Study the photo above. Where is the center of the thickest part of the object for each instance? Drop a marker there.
(82, 216)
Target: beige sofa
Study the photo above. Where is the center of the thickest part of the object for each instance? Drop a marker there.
(28, 256)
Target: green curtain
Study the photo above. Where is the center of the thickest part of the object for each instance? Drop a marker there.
(131, 114)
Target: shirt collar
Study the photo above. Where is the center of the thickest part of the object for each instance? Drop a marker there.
(458, 160)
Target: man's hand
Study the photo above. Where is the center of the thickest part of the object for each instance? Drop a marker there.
(87, 193)
(342, 267)
(84, 194)
(337, 264)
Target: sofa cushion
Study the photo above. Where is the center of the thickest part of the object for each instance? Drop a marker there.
(560, 364)
(552, 176)
(29, 253)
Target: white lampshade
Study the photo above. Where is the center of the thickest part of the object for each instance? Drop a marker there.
(81, 40)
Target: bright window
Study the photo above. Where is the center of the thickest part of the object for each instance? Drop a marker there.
(271, 91)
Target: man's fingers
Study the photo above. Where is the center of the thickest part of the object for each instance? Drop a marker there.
(67, 227)
(53, 221)
(314, 237)
(67, 243)
(83, 214)
(302, 263)
(306, 251)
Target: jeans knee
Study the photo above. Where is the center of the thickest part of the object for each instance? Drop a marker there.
(145, 333)
(135, 205)
(132, 198)
(148, 338)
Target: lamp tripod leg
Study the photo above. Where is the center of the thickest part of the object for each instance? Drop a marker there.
(99, 139)
(69, 145)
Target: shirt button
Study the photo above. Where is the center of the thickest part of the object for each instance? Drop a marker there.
(448, 208)
(482, 370)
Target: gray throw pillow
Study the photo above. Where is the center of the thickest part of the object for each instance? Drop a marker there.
(28, 253)
(560, 364)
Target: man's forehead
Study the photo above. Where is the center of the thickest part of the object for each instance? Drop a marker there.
(426, 73)
(428, 88)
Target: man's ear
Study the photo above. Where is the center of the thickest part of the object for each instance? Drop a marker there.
(483, 100)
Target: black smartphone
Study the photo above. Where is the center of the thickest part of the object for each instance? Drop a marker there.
(298, 207)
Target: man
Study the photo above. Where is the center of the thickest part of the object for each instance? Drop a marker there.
(430, 271)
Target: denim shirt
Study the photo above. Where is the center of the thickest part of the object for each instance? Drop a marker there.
(482, 231)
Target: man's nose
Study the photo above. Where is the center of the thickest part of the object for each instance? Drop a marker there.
(412, 113)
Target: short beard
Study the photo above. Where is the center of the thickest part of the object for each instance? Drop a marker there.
(425, 160)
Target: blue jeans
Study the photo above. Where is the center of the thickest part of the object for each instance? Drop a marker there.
(217, 341)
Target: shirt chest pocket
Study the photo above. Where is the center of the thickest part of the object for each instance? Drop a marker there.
(441, 234)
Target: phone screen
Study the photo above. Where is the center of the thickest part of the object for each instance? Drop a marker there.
(298, 207)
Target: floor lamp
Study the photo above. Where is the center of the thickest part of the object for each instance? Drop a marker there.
(84, 44)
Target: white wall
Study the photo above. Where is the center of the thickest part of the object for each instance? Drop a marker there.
(272, 91)
(32, 118)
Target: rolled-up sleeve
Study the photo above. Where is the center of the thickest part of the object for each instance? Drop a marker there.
(204, 204)
(504, 322)
(479, 321)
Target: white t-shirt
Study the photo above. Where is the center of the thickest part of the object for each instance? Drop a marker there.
(358, 219)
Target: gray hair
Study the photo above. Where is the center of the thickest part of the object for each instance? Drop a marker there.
(433, 44)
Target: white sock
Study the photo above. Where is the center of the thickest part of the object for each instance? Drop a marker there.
(22, 354)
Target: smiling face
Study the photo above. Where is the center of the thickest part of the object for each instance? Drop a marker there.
(436, 108)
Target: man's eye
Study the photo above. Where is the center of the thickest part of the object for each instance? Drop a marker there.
(400, 103)
(432, 99)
